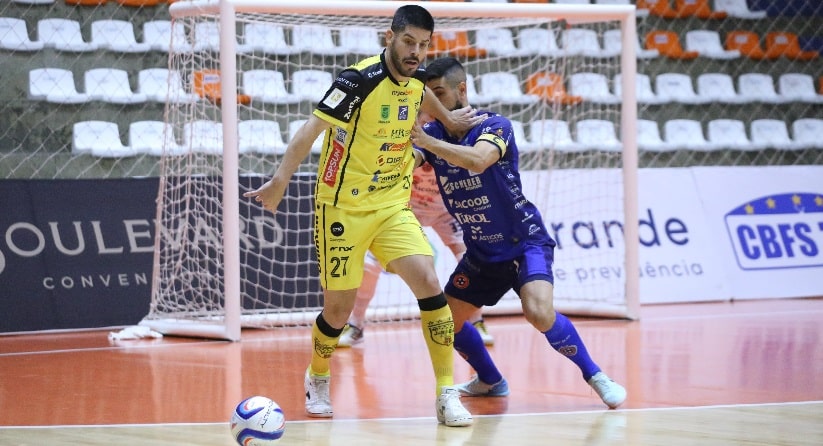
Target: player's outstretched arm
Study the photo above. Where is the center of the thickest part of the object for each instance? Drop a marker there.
(476, 158)
(457, 121)
(271, 192)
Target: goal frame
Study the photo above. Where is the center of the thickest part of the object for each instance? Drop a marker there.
(229, 327)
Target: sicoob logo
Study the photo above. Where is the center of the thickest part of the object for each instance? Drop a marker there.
(778, 231)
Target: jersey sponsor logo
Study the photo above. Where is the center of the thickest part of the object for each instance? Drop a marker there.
(340, 248)
(333, 164)
(402, 93)
(383, 159)
(778, 231)
(334, 98)
(392, 147)
(384, 111)
(337, 229)
(374, 73)
(441, 331)
(346, 82)
(352, 104)
(471, 218)
(466, 184)
(400, 133)
(469, 203)
(403, 113)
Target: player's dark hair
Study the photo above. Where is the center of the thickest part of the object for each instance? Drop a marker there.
(412, 15)
(447, 67)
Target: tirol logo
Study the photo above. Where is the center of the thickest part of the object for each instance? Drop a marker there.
(778, 231)
(337, 229)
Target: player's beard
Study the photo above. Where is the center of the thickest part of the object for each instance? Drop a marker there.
(457, 105)
(399, 64)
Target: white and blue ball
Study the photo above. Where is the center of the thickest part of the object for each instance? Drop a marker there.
(257, 421)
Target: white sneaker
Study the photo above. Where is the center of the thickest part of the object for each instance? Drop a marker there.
(487, 338)
(318, 402)
(475, 387)
(351, 335)
(610, 392)
(450, 410)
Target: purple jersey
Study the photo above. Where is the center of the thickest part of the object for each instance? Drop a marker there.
(497, 220)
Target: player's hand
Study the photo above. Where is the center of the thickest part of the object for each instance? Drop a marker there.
(420, 138)
(269, 195)
(464, 119)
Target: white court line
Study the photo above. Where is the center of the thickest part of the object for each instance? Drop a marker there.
(506, 415)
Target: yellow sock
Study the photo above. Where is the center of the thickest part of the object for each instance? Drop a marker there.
(438, 331)
(322, 349)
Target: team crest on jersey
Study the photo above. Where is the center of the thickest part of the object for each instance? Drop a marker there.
(460, 281)
(403, 113)
(442, 332)
(384, 111)
(334, 98)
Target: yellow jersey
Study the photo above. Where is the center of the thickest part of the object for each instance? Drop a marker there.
(367, 158)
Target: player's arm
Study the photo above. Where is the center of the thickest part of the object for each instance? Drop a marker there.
(455, 121)
(271, 193)
(485, 152)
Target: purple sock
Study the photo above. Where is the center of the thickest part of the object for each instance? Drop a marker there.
(563, 337)
(469, 345)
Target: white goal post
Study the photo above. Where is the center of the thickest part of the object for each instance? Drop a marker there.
(222, 263)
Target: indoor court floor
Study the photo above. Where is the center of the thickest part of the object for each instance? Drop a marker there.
(748, 372)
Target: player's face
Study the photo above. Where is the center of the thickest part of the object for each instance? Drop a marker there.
(407, 50)
(447, 94)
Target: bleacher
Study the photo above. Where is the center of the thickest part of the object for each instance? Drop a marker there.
(712, 76)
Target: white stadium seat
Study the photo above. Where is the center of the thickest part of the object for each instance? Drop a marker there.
(584, 42)
(163, 85)
(772, 134)
(260, 136)
(14, 35)
(100, 139)
(553, 134)
(310, 85)
(707, 44)
(798, 87)
(54, 85)
(117, 35)
(643, 89)
(537, 42)
(613, 43)
(111, 85)
(686, 134)
(267, 86)
(267, 38)
(315, 38)
(503, 87)
(807, 133)
(154, 138)
(524, 145)
(496, 41)
(738, 9)
(728, 134)
(758, 87)
(203, 137)
(165, 37)
(677, 87)
(360, 40)
(592, 87)
(648, 137)
(718, 87)
(63, 35)
(598, 134)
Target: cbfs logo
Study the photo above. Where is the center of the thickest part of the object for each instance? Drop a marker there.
(778, 231)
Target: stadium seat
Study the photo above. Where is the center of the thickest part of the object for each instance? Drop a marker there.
(162, 36)
(154, 138)
(584, 42)
(807, 133)
(738, 9)
(772, 134)
(598, 134)
(260, 136)
(524, 145)
(267, 38)
(707, 44)
(504, 87)
(317, 145)
(139, 3)
(677, 87)
(206, 37)
(758, 87)
(553, 134)
(718, 87)
(310, 85)
(798, 87)
(111, 85)
(592, 87)
(360, 40)
(728, 134)
(660, 8)
(99, 139)
(33, 2)
(116, 35)
(267, 86)
(668, 44)
(54, 85)
(471, 90)
(85, 2)
(686, 134)
(697, 8)
(207, 85)
(747, 42)
(550, 87)
(203, 136)
(63, 35)
(315, 39)
(643, 89)
(785, 44)
(14, 35)
(454, 43)
(648, 137)
(163, 85)
(612, 43)
(496, 41)
(537, 42)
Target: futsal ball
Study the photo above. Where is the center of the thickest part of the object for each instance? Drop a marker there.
(257, 421)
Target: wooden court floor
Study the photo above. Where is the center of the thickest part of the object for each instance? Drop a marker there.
(718, 374)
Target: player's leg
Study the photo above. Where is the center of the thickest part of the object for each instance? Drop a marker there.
(537, 295)
(353, 331)
(402, 245)
(340, 261)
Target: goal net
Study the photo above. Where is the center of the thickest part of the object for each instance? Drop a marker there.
(258, 68)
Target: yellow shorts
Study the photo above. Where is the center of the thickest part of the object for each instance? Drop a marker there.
(342, 238)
